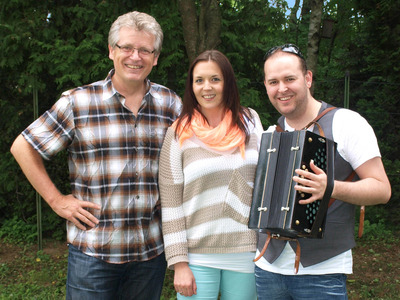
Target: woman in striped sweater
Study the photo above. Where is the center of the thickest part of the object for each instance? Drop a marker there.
(206, 174)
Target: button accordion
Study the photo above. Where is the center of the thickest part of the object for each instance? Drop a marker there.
(275, 208)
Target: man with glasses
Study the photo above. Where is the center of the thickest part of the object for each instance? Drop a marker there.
(113, 131)
(324, 262)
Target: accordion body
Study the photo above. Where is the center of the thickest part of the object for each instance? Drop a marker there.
(275, 205)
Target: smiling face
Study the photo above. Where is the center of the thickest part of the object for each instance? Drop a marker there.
(132, 69)
(286, 84)
(208, 87)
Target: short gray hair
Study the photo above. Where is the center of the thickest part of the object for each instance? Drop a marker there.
(139, 21)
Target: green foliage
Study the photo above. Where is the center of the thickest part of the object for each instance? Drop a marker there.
(53, 46)
(18, 231)
(377, 231)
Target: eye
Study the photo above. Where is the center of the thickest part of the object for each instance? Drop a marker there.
(144, 51)
(198, 80)
(215, 79)
(272, 82)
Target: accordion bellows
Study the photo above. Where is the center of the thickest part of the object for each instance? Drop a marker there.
(275, 207)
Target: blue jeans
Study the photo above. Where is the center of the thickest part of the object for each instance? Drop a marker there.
(92, 278)
(232, 285)
(305, 287)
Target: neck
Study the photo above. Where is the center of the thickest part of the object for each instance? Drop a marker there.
(214, 117)
(305, 116)
(130, 89)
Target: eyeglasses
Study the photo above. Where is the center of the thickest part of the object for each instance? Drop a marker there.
(290, 48)
(128, 50)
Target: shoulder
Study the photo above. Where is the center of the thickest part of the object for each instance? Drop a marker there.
(165, 98)
(355, 137)
(159, 91)
(85, 94)
(253, 117)
(347, 118)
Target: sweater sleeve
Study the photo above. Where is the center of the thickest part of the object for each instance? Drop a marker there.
(171, 194)
(258, 127)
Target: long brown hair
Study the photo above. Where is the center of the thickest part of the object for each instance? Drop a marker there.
(231, 98)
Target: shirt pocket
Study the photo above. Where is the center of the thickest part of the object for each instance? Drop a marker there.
(238, 198)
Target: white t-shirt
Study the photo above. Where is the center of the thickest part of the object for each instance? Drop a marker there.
(238, 262)
(356, 143)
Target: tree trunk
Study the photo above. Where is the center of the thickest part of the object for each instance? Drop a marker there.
(200, 32)
(187, 9)
(314, 36)
(293, 21)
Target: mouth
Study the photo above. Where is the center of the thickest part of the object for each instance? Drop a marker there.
(208, 97)
(284, 98)
(134, 67)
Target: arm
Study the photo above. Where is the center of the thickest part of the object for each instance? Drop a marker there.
(33, 167)
(171, 182)
(372, 188)
(358, 145)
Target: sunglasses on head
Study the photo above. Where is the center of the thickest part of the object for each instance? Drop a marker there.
(289, 48)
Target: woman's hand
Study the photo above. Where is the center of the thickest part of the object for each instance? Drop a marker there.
(184, 281)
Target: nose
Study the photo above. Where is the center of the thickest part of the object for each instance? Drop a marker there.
(207, 85)
(282, 87)
(135, 53)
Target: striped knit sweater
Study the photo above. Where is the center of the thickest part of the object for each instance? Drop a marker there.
(206, 196)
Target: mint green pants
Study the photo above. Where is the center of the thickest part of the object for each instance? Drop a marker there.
(232, 285)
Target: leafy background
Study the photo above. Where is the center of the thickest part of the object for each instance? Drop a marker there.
(51, 46)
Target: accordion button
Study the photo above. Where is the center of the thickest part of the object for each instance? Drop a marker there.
(297, 222)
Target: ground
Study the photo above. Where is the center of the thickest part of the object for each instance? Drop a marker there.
(24, 271)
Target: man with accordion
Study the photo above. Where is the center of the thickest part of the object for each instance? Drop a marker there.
(323, 254)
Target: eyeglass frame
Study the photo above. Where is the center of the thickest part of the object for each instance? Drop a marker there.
(139, 50)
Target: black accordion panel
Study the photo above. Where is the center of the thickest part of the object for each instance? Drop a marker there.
(275, 207)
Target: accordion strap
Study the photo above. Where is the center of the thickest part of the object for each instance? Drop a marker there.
(315, 121)
(298, 249)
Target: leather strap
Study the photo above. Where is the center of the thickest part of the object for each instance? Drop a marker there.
(325, 111)
(298, 249)
(361, 224)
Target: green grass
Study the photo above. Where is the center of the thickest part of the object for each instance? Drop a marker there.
(26, 273)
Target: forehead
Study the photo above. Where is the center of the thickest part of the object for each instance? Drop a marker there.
(282, 64)
(206, 68)
(130, 35)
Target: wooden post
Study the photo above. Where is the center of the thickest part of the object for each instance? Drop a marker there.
(38, 197)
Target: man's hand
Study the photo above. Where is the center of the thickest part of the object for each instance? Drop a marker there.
(74, 210)
(311, 183)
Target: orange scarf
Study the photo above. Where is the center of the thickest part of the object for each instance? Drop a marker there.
(222, 138)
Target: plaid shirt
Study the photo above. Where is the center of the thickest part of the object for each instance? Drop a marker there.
(113, 161)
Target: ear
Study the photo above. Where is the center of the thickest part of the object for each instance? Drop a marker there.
(265, 82)
(110, 52)
(155, 61)
(308, 78)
